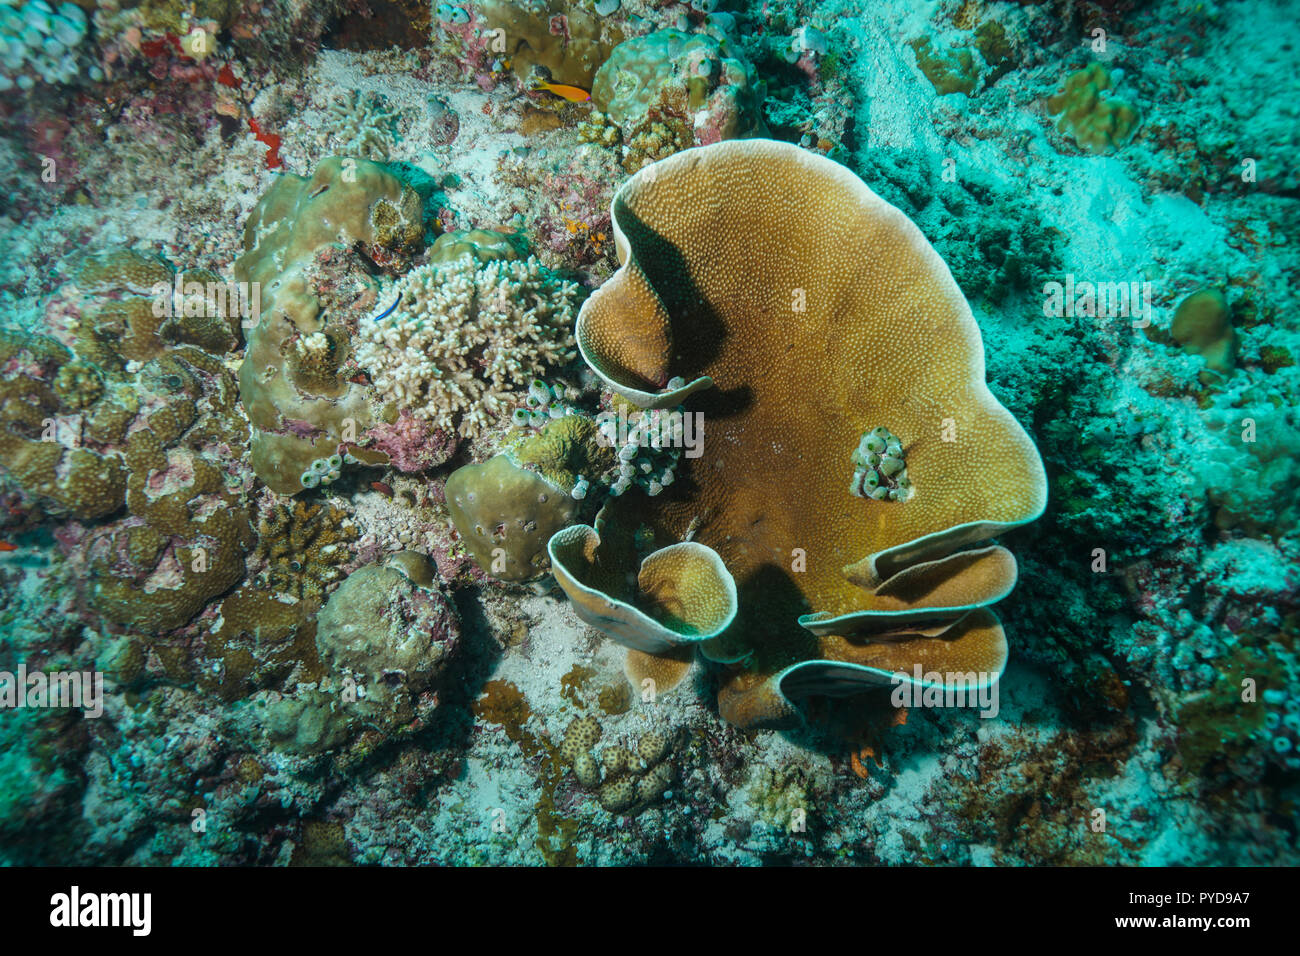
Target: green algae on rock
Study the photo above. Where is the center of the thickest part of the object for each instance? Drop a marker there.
(1098, 122)
(386, 631)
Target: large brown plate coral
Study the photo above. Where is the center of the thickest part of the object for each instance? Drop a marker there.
(852, 449)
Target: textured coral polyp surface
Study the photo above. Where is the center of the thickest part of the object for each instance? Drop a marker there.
(819, 312)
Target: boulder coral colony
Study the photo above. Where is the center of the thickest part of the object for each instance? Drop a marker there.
(566, 432)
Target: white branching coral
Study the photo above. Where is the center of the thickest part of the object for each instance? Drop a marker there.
(466, 339)
(360, 125)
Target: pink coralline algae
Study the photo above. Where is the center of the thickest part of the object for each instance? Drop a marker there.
(466, 41)
(413, 444)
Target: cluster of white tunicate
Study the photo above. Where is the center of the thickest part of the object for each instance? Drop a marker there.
(878, 468)
(542, 404)
(326, 471)
(1282, 725)
(450, 13)
(720, 26)
(39, 42)
(648, 458)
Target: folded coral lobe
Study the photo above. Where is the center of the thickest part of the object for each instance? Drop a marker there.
(849, 436)
(625, 333)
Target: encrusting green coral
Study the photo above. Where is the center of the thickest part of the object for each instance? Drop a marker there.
(951, 71)
(570, 54)
(1097, 121)
(507, 508)
(485, 245)
(384, 639)
(296, 382)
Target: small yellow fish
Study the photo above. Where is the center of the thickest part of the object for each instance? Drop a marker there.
(574, 94)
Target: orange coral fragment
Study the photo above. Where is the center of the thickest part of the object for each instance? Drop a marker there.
(858, 768)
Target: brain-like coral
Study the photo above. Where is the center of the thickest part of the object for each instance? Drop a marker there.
(40, 387)
(506, 509)
(186, 539)
(840, 325)
(125, 336)
(626, 780)
(950, 71)
(128, 407)
(263, 635)
(467, 337)
(303, 245)
(134, 307)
